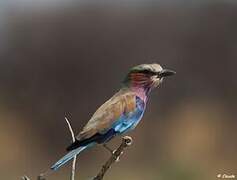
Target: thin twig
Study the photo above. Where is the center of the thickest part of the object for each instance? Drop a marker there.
(41, 176)
(27, 178)
(75, 157)
(70, 128)
(126, 141)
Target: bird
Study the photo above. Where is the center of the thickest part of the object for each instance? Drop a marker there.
(121, 113)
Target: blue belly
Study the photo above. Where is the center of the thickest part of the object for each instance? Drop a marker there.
(125, 123)
(130, 120)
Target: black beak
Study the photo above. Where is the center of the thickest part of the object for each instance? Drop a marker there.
(166, 72)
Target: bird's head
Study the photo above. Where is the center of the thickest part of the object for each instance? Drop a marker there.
(147, 76)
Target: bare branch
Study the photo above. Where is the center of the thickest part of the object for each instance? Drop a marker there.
(41, 176)
(70, 128)
(75, 157)
(126, 141)
(27, 178)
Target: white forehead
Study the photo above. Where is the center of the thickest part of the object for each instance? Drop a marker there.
(153, 67)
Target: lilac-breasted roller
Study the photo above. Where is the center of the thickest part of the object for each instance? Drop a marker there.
(121, 113)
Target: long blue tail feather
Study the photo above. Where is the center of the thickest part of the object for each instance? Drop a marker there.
(68, 157)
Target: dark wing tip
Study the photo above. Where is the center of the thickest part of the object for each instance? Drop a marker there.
(74, 145)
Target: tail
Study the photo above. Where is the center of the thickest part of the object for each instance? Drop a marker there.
(68, 157)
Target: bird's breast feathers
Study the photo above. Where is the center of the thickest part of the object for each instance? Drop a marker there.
(122, 111)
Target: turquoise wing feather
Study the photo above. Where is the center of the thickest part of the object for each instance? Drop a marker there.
(130, 120)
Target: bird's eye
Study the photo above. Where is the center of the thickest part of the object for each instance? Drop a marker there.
(149, 72)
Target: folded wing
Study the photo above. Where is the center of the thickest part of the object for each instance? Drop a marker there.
(100, 123)
(121, 103)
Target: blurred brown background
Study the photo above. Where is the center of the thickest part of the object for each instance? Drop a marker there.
(62, 58)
